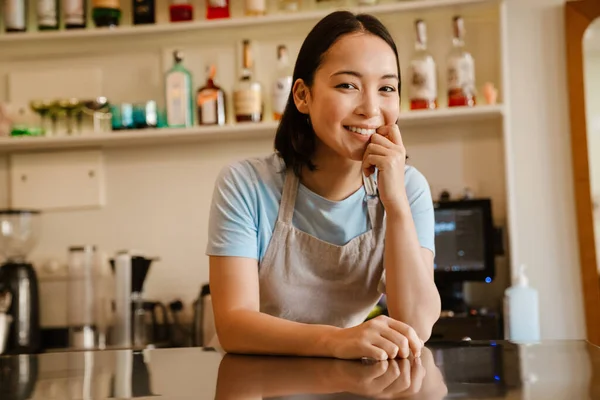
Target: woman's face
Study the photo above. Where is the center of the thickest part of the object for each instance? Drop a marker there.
(355, 91)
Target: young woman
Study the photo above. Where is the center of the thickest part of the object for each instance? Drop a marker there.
(302, 244)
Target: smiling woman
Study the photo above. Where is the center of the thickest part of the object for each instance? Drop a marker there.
(296, 239)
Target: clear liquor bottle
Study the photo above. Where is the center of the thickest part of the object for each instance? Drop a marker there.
(461, 69)
(247, 94)
(422, 73)
(282, 86)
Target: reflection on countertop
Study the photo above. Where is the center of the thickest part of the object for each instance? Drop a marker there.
(466, 370)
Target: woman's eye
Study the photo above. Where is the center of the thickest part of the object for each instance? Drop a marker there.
(388, 89)
(346, 86)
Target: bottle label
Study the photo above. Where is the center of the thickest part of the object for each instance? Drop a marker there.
(74, 12)
(422, 80)
(461, 74)
(207, 102)
(281, 91)
(256, 5)
(178, 94)
(247, 102)
(46, 11)
(15, 14)
(217, 3)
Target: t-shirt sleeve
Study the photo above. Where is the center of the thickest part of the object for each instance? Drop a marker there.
(232, 228)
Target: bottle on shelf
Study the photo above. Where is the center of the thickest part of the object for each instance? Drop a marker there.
(367, 2)
(75, 13)
(283, 84)
(181, 10)
(210, 102)
(179, 98)
(47, 15)
(144, 12)
(106, 13)
(289, 5)
(422, 73)
(216, 9)
(328, 4)
(461, 69)
(247, 94)
(15, 15)
(255, 7)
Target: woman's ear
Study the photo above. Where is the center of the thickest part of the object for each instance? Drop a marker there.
(301, 94)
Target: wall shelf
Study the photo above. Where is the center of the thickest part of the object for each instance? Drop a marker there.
(111, 33)
(167, 136)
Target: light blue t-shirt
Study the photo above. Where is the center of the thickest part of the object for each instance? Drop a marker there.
(246, 201)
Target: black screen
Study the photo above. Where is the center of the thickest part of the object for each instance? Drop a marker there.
(459, 240)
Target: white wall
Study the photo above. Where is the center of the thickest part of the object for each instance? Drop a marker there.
(592, 99)
(544, 231)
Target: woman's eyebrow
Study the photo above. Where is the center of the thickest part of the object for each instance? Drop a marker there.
(359, 75)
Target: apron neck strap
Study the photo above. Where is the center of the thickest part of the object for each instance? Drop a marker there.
(290, 191)
(288, 197)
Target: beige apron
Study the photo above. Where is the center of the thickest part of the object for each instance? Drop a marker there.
(305, 279)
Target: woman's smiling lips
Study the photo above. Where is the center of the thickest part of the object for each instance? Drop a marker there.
(362, 133)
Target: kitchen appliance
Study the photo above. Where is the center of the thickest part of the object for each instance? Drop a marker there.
(136, 323)
(19, 230)
(203, 328)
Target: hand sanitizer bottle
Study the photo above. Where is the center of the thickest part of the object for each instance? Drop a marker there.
(521, 311)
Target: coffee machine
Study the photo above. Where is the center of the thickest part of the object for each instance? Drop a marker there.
(19, 230)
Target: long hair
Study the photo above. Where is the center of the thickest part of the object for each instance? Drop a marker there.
(295, 140)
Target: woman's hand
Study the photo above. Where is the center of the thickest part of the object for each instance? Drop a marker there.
(380, 338)
(386, 152)
(382, 380)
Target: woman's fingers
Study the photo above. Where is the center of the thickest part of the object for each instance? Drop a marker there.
(414, 341)
(399, 340)
(390, 348)
(392, 132)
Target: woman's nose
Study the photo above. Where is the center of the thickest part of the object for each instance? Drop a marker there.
(368, 105)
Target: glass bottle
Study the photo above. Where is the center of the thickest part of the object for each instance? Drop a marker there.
(178, 88)
(422, 75)
(283, 84)
(289, 5)
(210, 102)
(461, 69)
(247, 94)
(217, 9)
(106, 13)
(75, 12)
(47, 15)
(144, 12)
(181, 10)
(255, 7)
(15, 15)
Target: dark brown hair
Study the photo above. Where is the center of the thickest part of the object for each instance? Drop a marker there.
(295, 140)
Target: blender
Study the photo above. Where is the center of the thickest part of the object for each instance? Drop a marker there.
(19, 230)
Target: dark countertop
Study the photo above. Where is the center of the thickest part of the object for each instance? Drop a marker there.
(467, 370)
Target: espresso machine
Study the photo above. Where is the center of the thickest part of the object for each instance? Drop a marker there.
(19, 230)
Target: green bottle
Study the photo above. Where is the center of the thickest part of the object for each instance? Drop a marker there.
(179, 97)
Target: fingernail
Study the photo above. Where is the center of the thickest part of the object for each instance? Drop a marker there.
(418, 361)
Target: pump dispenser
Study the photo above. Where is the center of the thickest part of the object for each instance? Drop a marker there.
(521, 311)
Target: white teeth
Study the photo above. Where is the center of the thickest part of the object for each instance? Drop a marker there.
(362, 131)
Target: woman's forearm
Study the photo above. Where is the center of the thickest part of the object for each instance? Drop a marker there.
(412, 296)
(253, 332)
